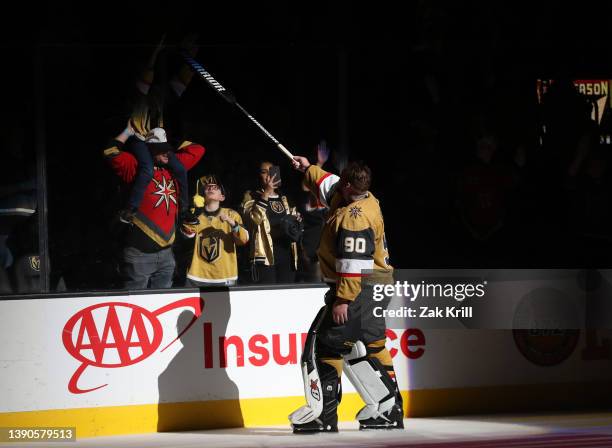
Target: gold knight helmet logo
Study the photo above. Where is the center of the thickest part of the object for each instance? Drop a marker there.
(35, 263)
(209, 248)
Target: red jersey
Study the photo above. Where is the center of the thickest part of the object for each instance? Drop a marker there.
(156, 216)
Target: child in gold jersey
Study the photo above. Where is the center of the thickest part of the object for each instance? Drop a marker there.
(218, 232)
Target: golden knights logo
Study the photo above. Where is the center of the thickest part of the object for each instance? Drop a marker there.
(355, 212)
(166, 192)
(35, 263)
(277, 207)
(210, 247)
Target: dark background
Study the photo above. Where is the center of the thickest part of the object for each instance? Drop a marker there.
(410, 87)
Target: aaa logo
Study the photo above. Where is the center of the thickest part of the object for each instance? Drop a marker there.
(141, 339)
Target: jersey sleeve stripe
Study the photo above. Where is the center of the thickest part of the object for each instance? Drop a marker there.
(352, 266)
(324, 186)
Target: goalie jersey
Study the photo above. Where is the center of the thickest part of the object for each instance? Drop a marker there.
(353, 239)
(214, 256)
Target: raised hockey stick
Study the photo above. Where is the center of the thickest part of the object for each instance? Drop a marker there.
(227, 96)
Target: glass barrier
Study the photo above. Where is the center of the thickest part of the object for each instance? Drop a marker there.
(70, 216)
(21, 196)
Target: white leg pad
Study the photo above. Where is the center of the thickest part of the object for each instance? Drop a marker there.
(312, 381)
(367, 380)
(314, 398)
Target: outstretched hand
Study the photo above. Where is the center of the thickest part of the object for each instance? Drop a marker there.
(300, 163)
(270, 184)
(322, 153)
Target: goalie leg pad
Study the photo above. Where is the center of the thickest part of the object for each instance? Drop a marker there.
(330, 394)
(321, 387)
(376, 388)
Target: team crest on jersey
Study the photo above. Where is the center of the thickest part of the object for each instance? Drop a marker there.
(166, 192)
(210, 248)
(35, 263)
(355, 212)
(277, 207)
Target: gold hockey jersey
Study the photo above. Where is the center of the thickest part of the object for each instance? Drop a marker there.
(353, 239)
(214, 256)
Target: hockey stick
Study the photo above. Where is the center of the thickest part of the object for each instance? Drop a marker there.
(227, 96)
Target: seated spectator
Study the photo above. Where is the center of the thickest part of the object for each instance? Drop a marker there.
(148, 260)
(217, 234)
(273, 253)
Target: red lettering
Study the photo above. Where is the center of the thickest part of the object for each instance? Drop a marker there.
(224, 343)
(120, 342)
(208, 346)
(411, 344)
(412, 337)
(392, 337)
(89, 326)
(112, 325)
(143, 341)
(259, 350)
(114, 338)
(281, 360)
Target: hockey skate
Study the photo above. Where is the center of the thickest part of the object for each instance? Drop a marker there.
(384, 408)
(392, 419)
(327, 421)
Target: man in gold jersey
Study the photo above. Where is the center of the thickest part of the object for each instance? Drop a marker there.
(346, 334)
(218, 231)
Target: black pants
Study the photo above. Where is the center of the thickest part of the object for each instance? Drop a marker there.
(335, 340)
(282, 270)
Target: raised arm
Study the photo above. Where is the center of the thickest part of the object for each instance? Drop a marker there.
(124, 164)
(321, 183)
